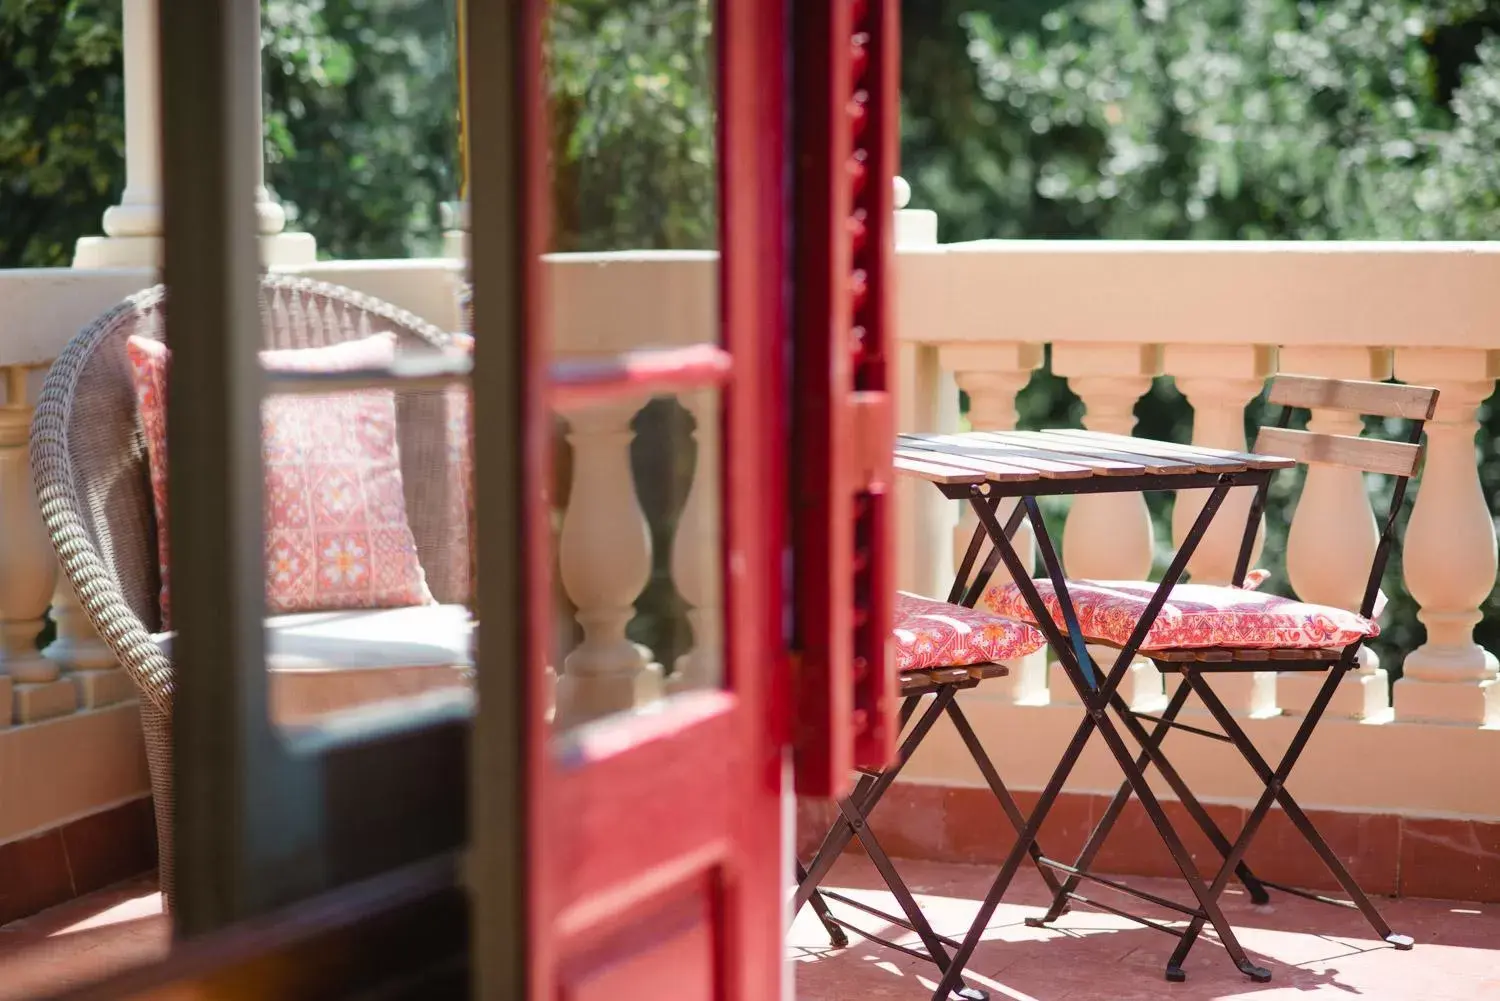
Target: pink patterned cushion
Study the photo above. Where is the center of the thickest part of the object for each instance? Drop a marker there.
(337, 535)
(1195, 615)
(936, 634)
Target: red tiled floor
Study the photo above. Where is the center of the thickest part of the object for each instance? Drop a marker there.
(1313, 950)
(83, 940)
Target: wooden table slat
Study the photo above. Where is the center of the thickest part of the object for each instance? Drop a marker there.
(1122, 463)
(1176, 450)
(1205, 462)
(996, 472)
(1102, 465)
(934, 471)
(973, 447)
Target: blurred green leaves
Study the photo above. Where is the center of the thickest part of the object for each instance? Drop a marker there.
(1202, 119)
(633, 125)
(361, 121)
(62, 109)
(1210, 119)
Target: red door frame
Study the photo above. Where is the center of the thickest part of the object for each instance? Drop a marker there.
(655, 841)
(847, 101)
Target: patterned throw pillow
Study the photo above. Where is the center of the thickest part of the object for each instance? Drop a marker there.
(937, 634)
(1195, 615)
(336, 531)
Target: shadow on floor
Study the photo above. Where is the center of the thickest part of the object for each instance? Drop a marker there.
(1312, 949)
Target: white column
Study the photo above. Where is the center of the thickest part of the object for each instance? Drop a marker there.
(1333, 534)
(1109, 536)
(28, 569)
(455, 216)
(133, 228)
(992, 376)
(277, 247)
(1219, 381)
(605, 558)
(697, 562)
(1449, 557)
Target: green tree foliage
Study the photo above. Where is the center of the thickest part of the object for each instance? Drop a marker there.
(1203, 119)
(361, 122)
(632, 114)
(1209, 119)
(61, 125)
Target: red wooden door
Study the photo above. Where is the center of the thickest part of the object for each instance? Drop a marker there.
(652, 830)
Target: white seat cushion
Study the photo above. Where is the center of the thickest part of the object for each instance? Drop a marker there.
(322, 662)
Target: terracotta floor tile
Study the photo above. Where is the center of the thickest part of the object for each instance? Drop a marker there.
(1313, 950)
(83, 940)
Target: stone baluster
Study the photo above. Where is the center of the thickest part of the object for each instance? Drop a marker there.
(89, 663)
(28, 570)
(697, 560)
(1333, 534)
(605, 562)
(992, 376)
(926, 400)
(1109, 536)
(1449, 557)
(1219, 381)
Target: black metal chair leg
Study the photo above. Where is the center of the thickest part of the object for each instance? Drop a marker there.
(1276, 792)
(868, 792)
(1185, 796)
(997, 786)
(1100, 833)
(837, 937)
(907, 902)
(1206, 895)
(1018, 852)
(1121, 798)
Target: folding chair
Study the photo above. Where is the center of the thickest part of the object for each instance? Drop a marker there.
(1213, 643)
(942, 649)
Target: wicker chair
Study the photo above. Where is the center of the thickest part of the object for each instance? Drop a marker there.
(88, 459)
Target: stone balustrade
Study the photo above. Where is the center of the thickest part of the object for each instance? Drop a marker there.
(1220, 319)
(1217, 318)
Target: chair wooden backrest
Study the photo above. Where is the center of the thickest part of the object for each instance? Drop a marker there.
(1400, 459)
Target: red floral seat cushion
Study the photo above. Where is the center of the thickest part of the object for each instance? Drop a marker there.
(1195, 615)
(937, 634)
(336, 529)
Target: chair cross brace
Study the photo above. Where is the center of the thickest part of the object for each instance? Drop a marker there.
(854, 822)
